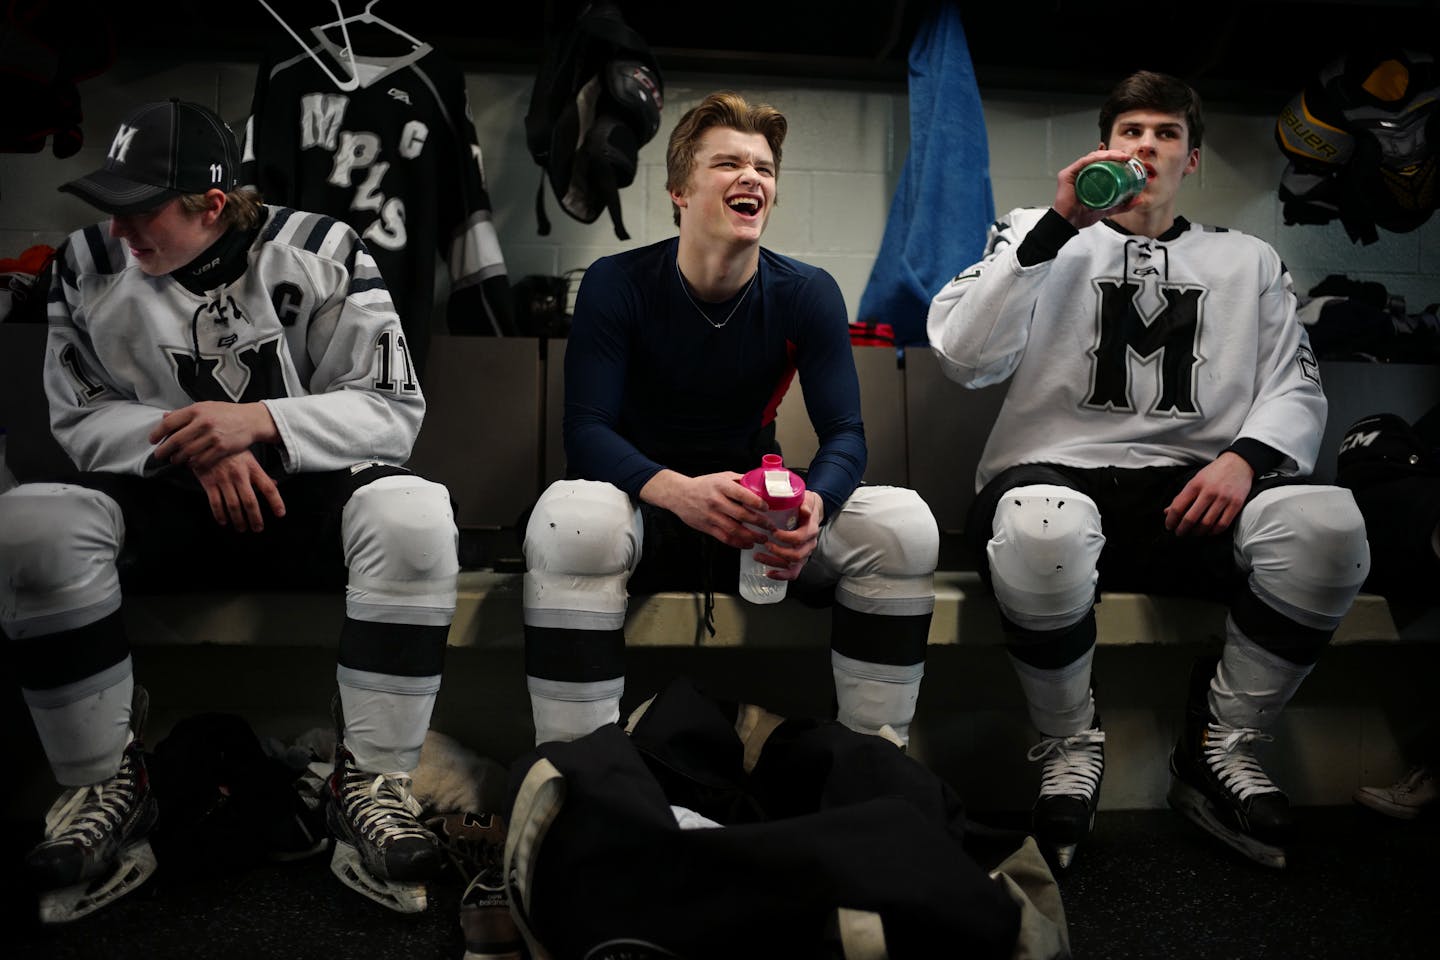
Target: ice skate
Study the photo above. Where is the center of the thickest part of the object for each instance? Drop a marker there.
(1217, 783)
(95, 848)
(381, 849)
(1064, 812)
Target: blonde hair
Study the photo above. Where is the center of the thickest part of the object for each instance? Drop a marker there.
(723, 109)
(242, 208)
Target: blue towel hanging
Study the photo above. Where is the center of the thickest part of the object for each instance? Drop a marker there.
(943, 203)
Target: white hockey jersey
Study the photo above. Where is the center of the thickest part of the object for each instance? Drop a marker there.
(1130, 351)
(308, 329)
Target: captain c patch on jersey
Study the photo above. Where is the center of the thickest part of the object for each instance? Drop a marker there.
(1309, 366)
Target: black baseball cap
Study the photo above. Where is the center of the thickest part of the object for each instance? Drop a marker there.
(162, 150)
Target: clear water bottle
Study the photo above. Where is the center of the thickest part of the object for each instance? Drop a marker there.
(1109, 183)
(783, 491)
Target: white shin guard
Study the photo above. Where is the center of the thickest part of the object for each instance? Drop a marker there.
(1060, 701)
(567, 711)
(1252, 685)
(385, 729)
(872, 696)
(84, 727)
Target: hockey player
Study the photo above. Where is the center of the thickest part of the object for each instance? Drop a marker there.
(232, 383)
(1163, 409)
(678, 356)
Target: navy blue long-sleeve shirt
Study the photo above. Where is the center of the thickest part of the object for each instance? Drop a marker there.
(652, 384)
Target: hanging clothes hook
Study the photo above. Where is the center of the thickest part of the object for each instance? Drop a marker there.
(348, 52)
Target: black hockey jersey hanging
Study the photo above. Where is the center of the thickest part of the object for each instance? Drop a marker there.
(397, 158)
(596, 102)
(1362, 142)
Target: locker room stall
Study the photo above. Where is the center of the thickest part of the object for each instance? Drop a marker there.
(553, 467)
(946, 427)
(30, 451)
(482, 429)
(882, 407)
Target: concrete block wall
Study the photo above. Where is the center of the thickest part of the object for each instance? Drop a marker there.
(842, 160)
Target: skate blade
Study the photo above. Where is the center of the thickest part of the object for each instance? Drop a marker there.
(133, 867)
(1196, 808)
(400, 897)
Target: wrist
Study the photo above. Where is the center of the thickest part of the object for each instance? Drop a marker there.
(1261, 457)
(263, 428)
(658, 491)
(1045, 239)
(817, 506)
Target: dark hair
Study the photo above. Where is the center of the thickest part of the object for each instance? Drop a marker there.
(1145, 90)
(722, 109)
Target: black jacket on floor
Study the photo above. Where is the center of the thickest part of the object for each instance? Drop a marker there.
(824, 819)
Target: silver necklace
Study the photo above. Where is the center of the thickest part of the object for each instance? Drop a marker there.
(686, 290)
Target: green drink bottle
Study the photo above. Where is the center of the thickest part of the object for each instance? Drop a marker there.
(1108, 183)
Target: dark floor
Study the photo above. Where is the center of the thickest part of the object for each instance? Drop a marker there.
(1147, 886)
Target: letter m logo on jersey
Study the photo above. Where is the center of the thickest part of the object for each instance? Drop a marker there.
(1167, 339)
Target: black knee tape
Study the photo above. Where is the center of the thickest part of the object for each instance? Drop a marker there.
(1276, 632)
(574, 656)
(1049, 649)
(876, 638)
(397, 649)
(58, 659)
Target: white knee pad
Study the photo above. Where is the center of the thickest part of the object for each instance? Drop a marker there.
(401, 550)
(882, 548)
(58, 544)
(1045, 543)
(1305, 548)
(581, 545)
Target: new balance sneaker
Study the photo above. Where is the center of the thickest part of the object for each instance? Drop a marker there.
(95, 848)
(1217, 782)
(1064, 812)
(1407, 798)
(381, 849)
(475, 844)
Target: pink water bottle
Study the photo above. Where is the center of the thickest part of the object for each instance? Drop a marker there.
(783, 491)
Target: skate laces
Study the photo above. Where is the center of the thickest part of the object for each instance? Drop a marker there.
(381, 806)
(1228, 752)
(87, 814)
(1073, 764)
(474, 842)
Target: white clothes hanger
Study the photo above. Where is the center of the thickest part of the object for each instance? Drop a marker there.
(365, 16)
(353, 83)
(346, 54)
